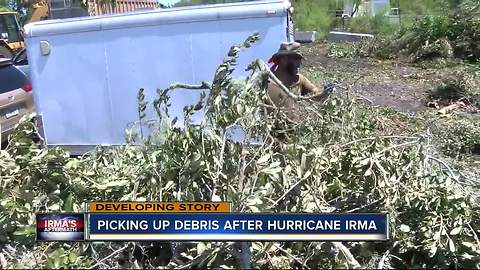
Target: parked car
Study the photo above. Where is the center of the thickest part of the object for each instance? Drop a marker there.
(16, 98)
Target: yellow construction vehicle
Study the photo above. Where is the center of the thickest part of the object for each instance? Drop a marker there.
(11, 34)
(40, 11)
(62, 9)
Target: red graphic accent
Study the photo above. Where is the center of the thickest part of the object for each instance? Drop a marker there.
(60, 223)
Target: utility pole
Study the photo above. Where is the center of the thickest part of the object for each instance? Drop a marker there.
(399, 13)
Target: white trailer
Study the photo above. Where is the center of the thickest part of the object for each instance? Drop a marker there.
(86, 72)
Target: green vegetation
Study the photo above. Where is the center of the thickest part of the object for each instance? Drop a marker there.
(461, 84)
(320, 15)
(378, 24)
(459, 136)
(314, 16)
(341, 158)
(381, 47)
(459, 32)
(452, 35)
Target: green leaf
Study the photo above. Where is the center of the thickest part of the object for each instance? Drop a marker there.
(72, 257)
(169, 185)
(404, 228)
(27, 230)
(451, 246)
(272, 171)
(201, 248)
(307, 174)
(216, 198)
(432, 251)
(212, 260)
(365, 161)
(68, 204)
(116, 183)
(467, 256)
(456, 231)
(263, 159)
(54, 207)
(254, 209)
(18, 266)
(275, 164)
(50, 263)
(468, 244)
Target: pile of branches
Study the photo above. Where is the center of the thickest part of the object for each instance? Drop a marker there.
(452, 35)
(336, 159)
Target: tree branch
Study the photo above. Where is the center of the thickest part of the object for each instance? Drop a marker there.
(204, 85)
(108, 257)
(364, 206)
(452, 174)
(287, 193)
(290, 255)
(348, 255)
(199, 259)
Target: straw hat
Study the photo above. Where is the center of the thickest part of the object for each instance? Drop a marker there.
(288, 48)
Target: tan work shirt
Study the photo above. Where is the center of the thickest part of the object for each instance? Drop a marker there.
(302, 87)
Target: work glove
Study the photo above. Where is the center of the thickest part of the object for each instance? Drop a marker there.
(329, 87)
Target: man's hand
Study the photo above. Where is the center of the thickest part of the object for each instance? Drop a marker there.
(315, 93)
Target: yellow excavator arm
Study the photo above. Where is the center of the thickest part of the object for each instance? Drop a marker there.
(40, 11)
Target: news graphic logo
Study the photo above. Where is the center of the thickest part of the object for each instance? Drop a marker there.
(60, 227)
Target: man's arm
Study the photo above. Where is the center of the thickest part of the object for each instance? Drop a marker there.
(310, 89)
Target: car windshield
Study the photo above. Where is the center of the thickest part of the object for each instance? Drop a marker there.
(9, 28)
(11, 78)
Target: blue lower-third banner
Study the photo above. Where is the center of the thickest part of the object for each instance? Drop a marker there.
(237, 226)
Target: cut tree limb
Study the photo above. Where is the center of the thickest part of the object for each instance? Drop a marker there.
(203, 85)
(348, 255)
(108, 257)
(381, 264)
(452, 107)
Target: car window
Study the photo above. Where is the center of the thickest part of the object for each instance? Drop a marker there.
(3, 29)
(9, 28)
(11, 79)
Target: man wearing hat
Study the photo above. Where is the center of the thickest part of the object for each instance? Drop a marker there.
(286, 63)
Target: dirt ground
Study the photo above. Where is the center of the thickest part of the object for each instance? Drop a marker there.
(396, 84)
